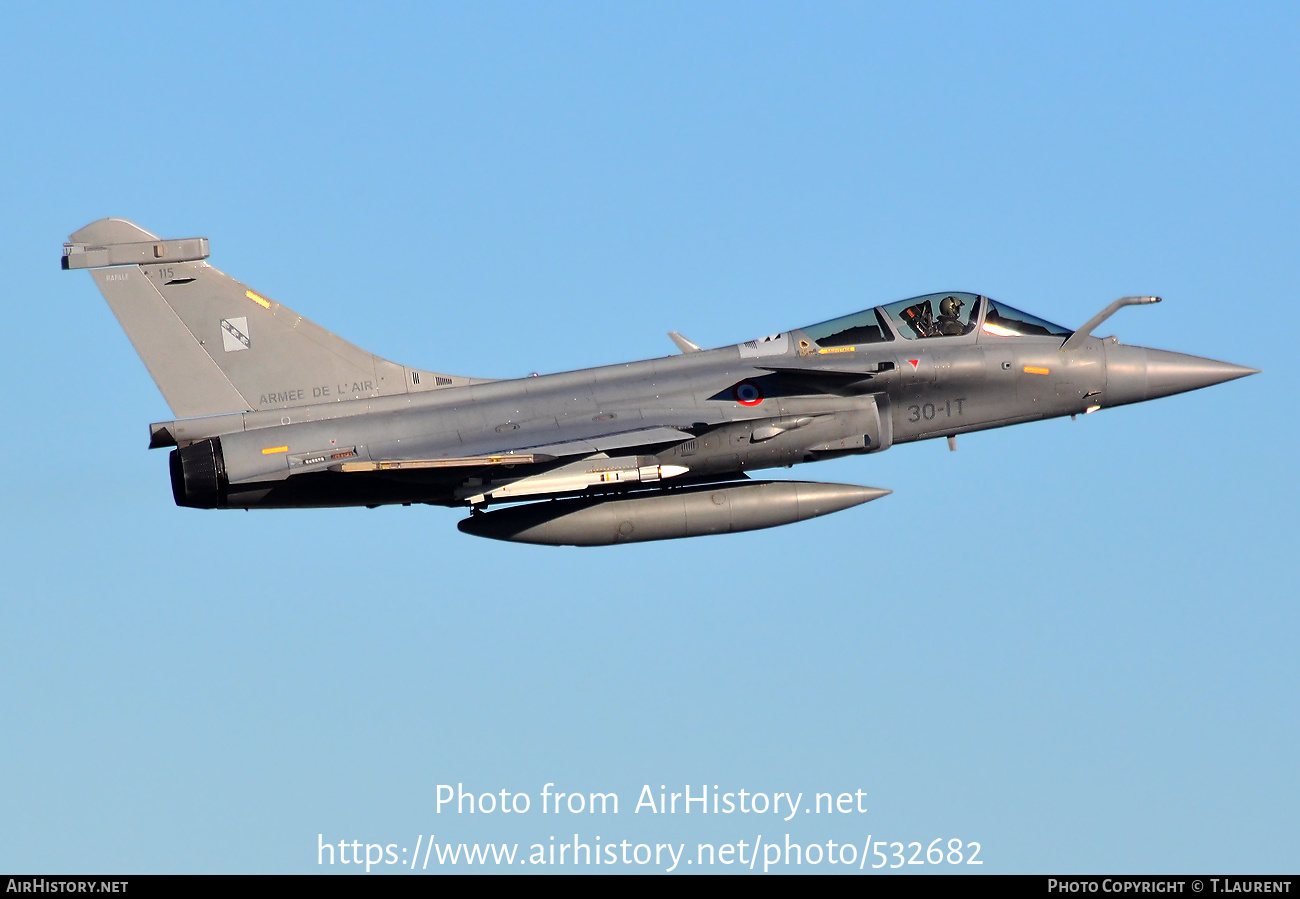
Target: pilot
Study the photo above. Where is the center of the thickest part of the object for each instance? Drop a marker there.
(950, 322)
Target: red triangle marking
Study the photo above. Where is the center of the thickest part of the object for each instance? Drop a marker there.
(914, 362)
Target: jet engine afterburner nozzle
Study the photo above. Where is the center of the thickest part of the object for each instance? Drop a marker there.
(199, 475)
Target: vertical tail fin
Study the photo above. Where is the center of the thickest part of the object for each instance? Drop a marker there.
(214, 345)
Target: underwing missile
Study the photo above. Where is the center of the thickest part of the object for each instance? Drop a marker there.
(684, 512)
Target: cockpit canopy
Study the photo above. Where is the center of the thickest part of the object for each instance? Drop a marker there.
(935, 315)
(1004, 321)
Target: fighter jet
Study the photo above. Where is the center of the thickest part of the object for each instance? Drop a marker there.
(273, 411)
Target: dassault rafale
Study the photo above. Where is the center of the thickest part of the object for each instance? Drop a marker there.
(273, 411)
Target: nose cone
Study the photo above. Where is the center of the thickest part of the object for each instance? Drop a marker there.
(1134, 373)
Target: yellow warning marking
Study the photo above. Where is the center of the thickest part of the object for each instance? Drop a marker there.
(261, 301)
(1034, 370)
(836, 349)
(272, 450)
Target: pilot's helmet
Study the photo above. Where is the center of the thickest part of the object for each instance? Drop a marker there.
(950, 307)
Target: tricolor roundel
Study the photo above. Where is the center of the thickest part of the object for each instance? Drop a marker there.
(747, 393)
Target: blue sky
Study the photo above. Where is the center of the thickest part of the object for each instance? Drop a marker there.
(1071, 642)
